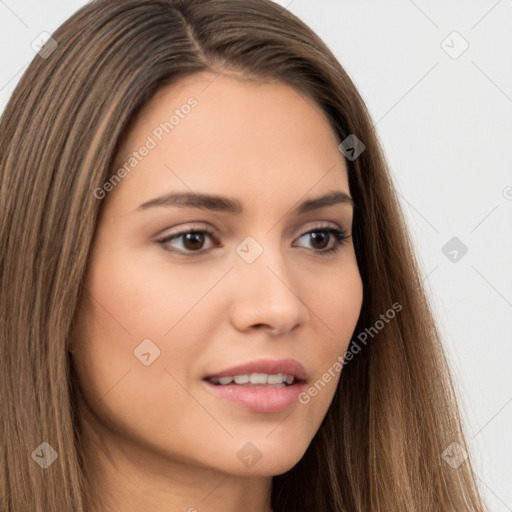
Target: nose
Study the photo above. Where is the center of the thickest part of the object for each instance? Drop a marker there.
(267, 295)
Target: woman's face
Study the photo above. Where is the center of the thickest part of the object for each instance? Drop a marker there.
(271, 287)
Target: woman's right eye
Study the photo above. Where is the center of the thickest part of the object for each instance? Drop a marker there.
(192, 240)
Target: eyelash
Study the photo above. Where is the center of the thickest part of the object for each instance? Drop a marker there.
(341, 238)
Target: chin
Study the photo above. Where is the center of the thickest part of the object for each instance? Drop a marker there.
(264, 457)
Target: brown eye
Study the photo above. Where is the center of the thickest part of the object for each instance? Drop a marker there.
(192, 241)
(321, 237)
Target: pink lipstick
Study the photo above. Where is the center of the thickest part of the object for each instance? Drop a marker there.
(263, 385)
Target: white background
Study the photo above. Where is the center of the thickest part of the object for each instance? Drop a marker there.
(446, 127)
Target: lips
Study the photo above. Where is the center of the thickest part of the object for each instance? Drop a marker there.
(263, 386)
(255, 379)
(289, 367)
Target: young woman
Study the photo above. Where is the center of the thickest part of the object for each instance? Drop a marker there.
(209, 297)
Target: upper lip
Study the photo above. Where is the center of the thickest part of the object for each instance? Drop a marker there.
(268, 366)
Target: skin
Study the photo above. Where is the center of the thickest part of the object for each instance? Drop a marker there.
(154, 437)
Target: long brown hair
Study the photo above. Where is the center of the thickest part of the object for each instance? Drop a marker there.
(394, 412)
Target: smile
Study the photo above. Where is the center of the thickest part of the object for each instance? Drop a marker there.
(259, 379)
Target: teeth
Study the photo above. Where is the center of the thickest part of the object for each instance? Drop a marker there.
(256, 378)
(259, 378)
(276, 379)
(225, 380)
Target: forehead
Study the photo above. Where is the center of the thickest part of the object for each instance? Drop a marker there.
(219, 133)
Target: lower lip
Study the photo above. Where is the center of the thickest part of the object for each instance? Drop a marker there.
(259, 399)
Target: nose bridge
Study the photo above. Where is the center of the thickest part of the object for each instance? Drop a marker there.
(262, 263)
(268, 289)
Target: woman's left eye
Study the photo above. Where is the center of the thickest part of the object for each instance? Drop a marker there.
(192, 240)
(323, 235)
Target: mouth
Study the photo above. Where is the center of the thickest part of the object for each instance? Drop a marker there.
(278, 380)
(264, 386)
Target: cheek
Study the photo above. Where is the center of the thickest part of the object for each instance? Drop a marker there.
(335, 302)
(145, 297)
(334, 311)
(118, 324)
(135, 313)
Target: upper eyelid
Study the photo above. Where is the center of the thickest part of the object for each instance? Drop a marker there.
(213, 233)
(320, 224)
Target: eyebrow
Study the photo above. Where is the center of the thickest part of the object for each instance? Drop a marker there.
(229, 205)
